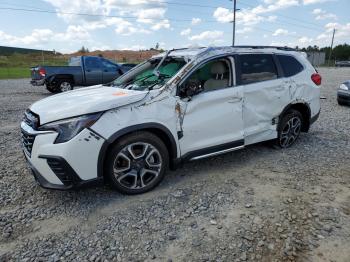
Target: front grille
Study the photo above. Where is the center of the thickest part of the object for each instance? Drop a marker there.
(31, 119)
(62, 170)
(27, 142)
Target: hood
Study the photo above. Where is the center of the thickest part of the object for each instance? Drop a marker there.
(84, 101)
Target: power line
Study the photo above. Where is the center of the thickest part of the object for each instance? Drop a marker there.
(215, 6)
(132, 17)
(123, 17)
(98, 15)
(282, 15)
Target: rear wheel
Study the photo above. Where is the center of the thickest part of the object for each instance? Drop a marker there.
(64, 85)
(340, 103)
(52, 89)
(289, 129)
(137, 163)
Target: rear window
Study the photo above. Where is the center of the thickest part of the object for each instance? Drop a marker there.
(290, 65)
(257, 68)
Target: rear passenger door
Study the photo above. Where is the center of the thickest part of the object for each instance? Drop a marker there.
(93, 71)
(265, 94)
(292, 68)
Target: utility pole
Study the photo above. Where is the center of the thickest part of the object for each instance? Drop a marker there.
(234, 22)
(330, 53)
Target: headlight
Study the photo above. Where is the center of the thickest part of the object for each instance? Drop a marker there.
(69, 128)
(344, 87)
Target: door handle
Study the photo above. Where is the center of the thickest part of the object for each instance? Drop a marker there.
(235, 100)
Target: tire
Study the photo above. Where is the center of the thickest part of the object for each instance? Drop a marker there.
(340, 103)
(52, 89)
(64, 85)
(137, 163)
(289, 128)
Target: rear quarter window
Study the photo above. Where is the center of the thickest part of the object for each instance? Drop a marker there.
(290, 65)
(257, 68)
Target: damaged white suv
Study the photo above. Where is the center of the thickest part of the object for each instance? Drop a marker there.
(185, 104)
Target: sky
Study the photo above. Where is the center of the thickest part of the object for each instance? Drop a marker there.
(67, 25)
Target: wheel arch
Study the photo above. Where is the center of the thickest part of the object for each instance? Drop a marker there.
(302, 107)
(158, 129)
(53, 79)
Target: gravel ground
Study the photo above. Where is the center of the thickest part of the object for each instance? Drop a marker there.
(257, 204)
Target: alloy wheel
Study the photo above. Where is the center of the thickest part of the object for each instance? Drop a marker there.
(65, 86)
(290, 132)
(137, 165)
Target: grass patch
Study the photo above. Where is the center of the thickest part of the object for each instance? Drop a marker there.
(14, 72)
(18, 65)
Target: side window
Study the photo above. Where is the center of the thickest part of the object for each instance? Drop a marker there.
(92, 63)
(257, 68)
(211, 76)
(290, 65)
(109, 66)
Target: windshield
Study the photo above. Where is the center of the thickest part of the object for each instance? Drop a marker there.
(143, 77)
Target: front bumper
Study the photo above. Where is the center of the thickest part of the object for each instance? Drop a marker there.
(63, 166)
(343, 97)
(40, 179)
(37, 82)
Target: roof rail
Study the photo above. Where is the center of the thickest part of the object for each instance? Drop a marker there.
(284, 48)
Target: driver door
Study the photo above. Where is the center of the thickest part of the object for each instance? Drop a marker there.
(212, 122)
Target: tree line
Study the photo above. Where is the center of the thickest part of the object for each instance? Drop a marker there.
(339, 52)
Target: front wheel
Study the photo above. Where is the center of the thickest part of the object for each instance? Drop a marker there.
(289, 129)
(137, 163)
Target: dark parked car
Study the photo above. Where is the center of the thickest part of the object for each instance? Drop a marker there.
(342, 63)
(343, 94)
(81, 71)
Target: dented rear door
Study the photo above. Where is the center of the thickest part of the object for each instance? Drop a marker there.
(265, 94)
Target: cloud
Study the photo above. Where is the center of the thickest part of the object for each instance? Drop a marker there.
(309, 2)
(164, 24)
(148, 16)
(186, 32)
(342, 30)
(151, 13)
(321, 14)
(213, 37)
(244, 30)
(39, 37)
(252, 16)
(274, 5)
(74, 33)
(280, 31)
(126, 28)
(305, 40)
(196, 21)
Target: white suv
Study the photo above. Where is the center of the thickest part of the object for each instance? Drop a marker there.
(185, 104)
